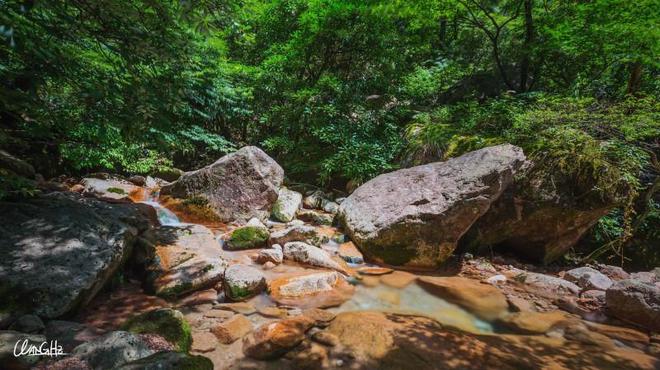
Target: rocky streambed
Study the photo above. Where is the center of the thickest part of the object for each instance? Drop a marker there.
(226, 268)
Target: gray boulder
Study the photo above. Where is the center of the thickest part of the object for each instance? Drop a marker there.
(237, 187)
(8, 339)
(60, 249)
(287, 204)
(549, 284)
(415, 216)
(15, 165)
(113, 349)
(588, 278)
(110, 189)
(636, 302)
(30, 324)
(297, 233)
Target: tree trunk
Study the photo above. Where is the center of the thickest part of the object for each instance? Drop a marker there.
(527, 45)
(635, 80)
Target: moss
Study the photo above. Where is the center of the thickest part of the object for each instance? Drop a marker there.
(248, 237)
(238, 294)
(167, 323)
(116, 191)
(171, 360)
(176, 290)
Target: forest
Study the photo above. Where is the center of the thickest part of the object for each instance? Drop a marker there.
(339, 91)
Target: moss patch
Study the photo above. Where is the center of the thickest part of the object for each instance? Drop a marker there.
(248, 237)
(116, 191)
(165, 322)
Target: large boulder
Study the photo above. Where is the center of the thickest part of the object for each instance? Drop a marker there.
(112, 189)
(415, 216)
(183, 259)
(539, 217)
(237, 187)
(113, 349)
(60, 249)
(636, 302)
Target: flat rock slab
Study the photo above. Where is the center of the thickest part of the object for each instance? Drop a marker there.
(323, 289)
(186, 258)
(60, 249)
(415, 216)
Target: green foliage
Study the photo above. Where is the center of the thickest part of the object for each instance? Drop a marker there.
(12, 186)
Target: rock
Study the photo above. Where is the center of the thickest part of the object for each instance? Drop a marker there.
(248, 237)
(237, 187)
(649, 277)
(269, 266)
(529, 322)
(540, 217)
(330, 207)
(112, 350)
(315, 217)
(232, 329)
(273, 254)
(415, 216)
(549, 284)
(137, 180)
(165, 322)
(517, 304)
(596, 295)
(60, 249)
(70, 334)
(483, 300)
(243, 282)
(272, 311)
(496, 279)
(287, 204)
(184, 259)
(310, 255)
(30, 324)
(613, 272)
(203, 342)
(255, 222)
(349, 252)
(8, 340)
(272, 340)
(111, 189)
(323, 289)
(169, 361)
(77, 188)
(635, 302)
(15, 165)
(398, 279)
(168, 174)
(588, 278)
(218, 314)
(313, 200)
(297, 233)
(625, 335)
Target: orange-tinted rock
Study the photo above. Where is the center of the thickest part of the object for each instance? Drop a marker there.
(529, 322)
(349, 252)
(272, 340)
(483, 300)
(374, 270)
(203, 342)
(233, 329)
(323, 289)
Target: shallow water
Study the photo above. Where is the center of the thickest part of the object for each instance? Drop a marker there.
(409, 300)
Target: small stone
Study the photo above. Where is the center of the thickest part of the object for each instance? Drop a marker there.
(287, 204)
(496, 279)
(269, 265)
(203, 342)
(255, 222)
(613, 272)
(320, 316)
(248, 237)
(243, 282)
(198, 298)
(596, 295)
(310, 255)
(588, 278)
(297, 233)
(273, 254)
(316, 217)
(547, 283)
(330, 207)
(218, 314)
(517, 304)
(349, 252)
(233, 329)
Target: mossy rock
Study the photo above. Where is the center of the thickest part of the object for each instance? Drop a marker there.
(166, 322)
(248, 237)
(117, 191)
(170, 361)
